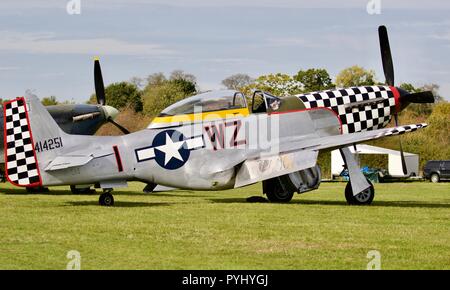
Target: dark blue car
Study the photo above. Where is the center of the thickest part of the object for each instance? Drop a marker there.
(437, 170)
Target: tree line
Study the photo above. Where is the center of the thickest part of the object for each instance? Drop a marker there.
(150, 95)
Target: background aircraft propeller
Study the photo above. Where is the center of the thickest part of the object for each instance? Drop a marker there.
(99, 85)
(110, 112)
(386, 56)
(405, 97)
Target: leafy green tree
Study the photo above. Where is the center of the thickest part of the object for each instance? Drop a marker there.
(409, 87)
(137, 81)
(159, 95)
(156, 79)
(181, 75)
(187, 87)
(432, 143)
(237, 81)
(355, 76)
(49, 101)
(277, 84)
(314, 79)
(121, 95)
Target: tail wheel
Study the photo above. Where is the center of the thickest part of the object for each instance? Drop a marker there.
(363, 198)
(281, 197)
(106, 199)
(435, 178)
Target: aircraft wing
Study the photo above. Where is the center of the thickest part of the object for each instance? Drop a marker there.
(337, 141)
(301, 154)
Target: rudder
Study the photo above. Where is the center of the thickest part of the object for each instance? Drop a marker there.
(21, 165)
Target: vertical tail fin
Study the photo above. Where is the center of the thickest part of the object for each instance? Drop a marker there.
(30, 135)
(20, 157)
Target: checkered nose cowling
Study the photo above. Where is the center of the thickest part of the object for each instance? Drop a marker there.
(21, 162)
(356, 118)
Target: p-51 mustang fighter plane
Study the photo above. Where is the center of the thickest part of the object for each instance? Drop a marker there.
(213, 141)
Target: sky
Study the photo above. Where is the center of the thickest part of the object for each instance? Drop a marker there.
(50, 51)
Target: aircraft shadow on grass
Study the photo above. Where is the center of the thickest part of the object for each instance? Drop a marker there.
(180, 194)
(406, 204)
(19, 191)
(22, 191)
(118, 203)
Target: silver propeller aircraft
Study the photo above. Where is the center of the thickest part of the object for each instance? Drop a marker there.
(79, 119)
(213, 141)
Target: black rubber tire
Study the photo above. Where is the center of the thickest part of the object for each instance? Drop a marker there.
(280, 197)
(364, 198)
(106, 199)
(86, 190)
(435, 178)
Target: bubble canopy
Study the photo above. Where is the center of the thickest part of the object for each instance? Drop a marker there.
(207, 102)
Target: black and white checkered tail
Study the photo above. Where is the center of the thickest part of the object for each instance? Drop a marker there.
(20, 157)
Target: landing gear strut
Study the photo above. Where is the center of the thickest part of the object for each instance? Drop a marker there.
(359, 190)
(106, 198)
(363, 198)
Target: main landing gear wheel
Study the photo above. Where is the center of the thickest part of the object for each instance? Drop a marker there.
(363, 198)
(280, 197)
(106, 199)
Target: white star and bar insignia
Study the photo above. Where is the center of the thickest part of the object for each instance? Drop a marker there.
(170, 149)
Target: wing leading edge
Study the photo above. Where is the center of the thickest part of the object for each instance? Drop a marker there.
(338, 141)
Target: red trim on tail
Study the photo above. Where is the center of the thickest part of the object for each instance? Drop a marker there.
(118, 159)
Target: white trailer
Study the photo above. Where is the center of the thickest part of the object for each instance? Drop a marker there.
(394, 160)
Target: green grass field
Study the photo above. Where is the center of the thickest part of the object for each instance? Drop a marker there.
(408, 223)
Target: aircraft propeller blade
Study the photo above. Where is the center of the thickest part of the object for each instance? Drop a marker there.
(386, 56)
(99, 86)
(420, 98)
(402, 155)
(101, 98)
(120, 127)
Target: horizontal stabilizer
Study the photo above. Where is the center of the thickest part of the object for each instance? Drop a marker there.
(63, 162)
(75, 159)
